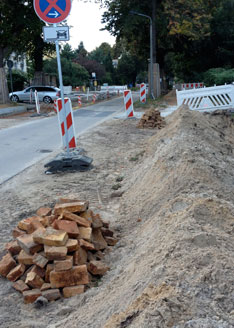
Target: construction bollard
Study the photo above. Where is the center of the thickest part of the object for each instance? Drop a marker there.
(69, 121)
(128, 103)
(79, 101)
(94, 98)
(143, 93)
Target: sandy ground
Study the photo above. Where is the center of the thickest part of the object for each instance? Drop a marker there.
(173, 213)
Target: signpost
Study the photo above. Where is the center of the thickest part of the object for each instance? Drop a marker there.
(53, 12)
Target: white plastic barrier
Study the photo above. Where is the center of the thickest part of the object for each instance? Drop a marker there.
(114, 88)
(67, 89)
(212, 98)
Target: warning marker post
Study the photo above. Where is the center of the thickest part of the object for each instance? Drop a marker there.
(54, 12)
(128, 103)
(143, 93)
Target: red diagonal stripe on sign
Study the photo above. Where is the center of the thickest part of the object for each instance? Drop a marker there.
(131, 114)
(128, 104)
(52, 4)
(69, 121)
(142, 93)
(63, 129)
(72, 143)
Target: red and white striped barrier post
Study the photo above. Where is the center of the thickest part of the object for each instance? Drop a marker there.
(128, 103)
(69, 120)
(107, 93)
(79, 101)
(37, 102)
(94, 98)
(55, 106)
(143, 93)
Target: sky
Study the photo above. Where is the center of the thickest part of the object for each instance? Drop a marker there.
(85, 17)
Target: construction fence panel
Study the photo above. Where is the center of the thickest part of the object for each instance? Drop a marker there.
(212, 98)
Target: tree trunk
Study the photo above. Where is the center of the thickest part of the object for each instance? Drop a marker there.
(154, 3)
(4, 94)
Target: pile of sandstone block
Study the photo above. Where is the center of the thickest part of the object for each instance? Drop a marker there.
(59, 252)
(151, 119)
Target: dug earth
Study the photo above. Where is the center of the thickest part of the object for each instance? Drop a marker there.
(168, 195)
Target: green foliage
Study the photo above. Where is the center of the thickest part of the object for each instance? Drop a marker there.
(218, 76)
(18, 78)
(73, 73)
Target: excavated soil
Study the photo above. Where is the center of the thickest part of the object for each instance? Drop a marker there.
(169, 196)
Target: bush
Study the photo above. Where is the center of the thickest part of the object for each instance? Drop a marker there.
(18, 78)
(218, 76)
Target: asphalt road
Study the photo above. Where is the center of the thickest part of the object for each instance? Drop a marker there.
(25, 144)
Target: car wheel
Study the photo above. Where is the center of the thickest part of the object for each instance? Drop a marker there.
(14, 98)
(47, 100)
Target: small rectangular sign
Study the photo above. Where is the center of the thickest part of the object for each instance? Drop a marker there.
(58, 33)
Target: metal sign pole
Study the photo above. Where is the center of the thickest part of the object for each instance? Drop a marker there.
(62, 92)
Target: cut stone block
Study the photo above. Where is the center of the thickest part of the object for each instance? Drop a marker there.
(30, 296)
(27, 243)
(25, 258)
(26, 225)
(82, 222)
(72, 291)
(33, 280)
(97, 268)
(86, 245)
(16, 273)
(13, 247)
(49, 268)
(87, 215)
(85, 233)
(107, 232)
(55, 253)
(50, 237)
(44, 211)
(111, 241)
(16, 232)
(96, 221)
(72, 245)
(40, 260)
(64, 265)
(20, 286)
(80, 256)
(71, 207)
(98, 240)
(51, 294)
(45, 286)
(39, 271)
(7, 263)
(78, 275)
(70, 227)
(63, 200)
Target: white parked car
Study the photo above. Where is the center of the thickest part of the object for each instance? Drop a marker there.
(47, 94)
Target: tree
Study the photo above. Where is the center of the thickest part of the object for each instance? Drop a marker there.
(73, 73)
(20, 31)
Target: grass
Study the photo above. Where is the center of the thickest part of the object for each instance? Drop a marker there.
(149, 103)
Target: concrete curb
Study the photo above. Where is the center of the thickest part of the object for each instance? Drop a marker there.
(14, 110)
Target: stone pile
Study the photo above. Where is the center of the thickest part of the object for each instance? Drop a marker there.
(151, 119)
(58, 252)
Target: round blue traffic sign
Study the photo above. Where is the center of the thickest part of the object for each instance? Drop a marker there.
(52, 11)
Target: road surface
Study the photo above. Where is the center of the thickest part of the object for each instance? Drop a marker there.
(25, 144)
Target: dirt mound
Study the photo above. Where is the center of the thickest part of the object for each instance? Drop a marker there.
(173, 265)
(183, 192)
